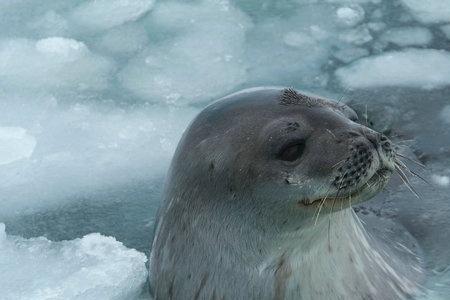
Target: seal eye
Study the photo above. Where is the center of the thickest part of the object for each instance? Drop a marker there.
(292, 151)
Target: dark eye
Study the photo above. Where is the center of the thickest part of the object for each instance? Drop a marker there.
(292, 151)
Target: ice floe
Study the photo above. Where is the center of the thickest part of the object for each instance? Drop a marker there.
(407, 36)
(429, 11)
(104, 14)
(53, 63)
(15, 144)
(91, 267)
(187, 67)
(412, 67)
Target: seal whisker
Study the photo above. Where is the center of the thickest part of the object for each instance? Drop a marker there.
(406, 181)
(330, 132)
(411, 160)
(320, 208)
(404, 166)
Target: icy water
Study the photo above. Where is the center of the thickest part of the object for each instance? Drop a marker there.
(94, 96)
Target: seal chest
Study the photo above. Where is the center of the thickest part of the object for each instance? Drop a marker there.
(257, 205)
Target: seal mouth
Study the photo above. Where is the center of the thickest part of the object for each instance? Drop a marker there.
(373, 183)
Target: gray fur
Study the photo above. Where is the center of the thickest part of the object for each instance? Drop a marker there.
(239, 223)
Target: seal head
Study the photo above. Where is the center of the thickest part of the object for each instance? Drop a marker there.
(253, 185)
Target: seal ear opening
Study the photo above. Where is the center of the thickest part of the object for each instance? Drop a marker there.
(292, 151)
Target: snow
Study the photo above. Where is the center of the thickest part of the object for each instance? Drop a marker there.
(105, 14)
(91, 267)
(350, 15)
(408, 36)
(15, 144)
(429, 11)
(81, 148)
(53, 63)
(411, 67)
(215, 64)
(124, 40)
(441, 180)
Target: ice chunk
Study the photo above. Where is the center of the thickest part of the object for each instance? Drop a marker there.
(446, 30)
(93, 267)
(187, 67)
(412, 67)
(408, 36)
(350, 15)
(429, 11)
(50, 24)
(298, 39)
(124, 40)
(358, 36)
(66, 49)
(292, 49)
(82, 148)
(441, 180)
(15, 144)
(52, 63)
(105, 14)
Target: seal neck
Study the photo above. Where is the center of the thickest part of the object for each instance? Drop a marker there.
(335, 257)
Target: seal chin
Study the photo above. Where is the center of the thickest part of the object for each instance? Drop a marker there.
(362, 193)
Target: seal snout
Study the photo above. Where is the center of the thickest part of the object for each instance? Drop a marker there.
(356, 166)
(369, 152)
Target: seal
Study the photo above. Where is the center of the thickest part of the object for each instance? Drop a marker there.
(257, 205)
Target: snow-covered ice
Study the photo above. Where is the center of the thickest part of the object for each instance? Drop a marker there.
(80, 148)
(15, 144)
(91, 267)
(350, 15)
(441, 179)
(408, 36)
(429, 11)
(411, 67)
(53, 63)
(215, 64)
(104, 14)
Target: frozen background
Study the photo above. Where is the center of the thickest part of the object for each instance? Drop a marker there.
(95, 94)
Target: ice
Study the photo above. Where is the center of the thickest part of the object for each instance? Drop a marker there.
(81, 149)
(186, 67)
(441, 179)
(49, 24)
(446, 30)
(430, 11)
(350, 15)
(411, 67)
(407, 36)
(105, 14)
(15, 144)
(124, 40)
(357, 36)
(293, 48)
(92, 267)
(53, 63)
